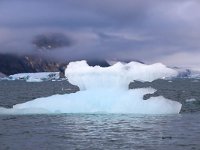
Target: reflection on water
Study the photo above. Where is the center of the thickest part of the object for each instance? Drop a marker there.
(100, 131)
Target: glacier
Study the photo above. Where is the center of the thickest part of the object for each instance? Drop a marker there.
(35, 77)
(105, 90)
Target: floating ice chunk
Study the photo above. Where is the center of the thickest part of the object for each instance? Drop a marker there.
(2, 75)
(7, 111)
(105, 90)
(190, 100)
(35, 77)
(34, 80)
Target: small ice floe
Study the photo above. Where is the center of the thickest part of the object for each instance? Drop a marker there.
(170, 81)
(190, 100)
(33, 80)
(35, 77)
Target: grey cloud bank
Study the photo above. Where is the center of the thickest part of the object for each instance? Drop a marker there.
(150, 31)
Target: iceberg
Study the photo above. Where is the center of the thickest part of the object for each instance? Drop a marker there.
(35, 77)
(191, 73)
(2, 75)
(191, 100)
(105, 90)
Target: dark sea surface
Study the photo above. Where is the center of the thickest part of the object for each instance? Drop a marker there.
(101, 131)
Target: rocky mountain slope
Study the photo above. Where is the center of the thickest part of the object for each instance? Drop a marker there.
(12, 64)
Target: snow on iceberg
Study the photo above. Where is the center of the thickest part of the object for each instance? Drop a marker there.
(105, 90)
(35, 77)
(118, 75)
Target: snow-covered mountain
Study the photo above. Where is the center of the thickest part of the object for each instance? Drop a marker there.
(187, 73)
(12, 64)
(47, 74)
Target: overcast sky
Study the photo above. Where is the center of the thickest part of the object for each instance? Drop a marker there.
(166, 31)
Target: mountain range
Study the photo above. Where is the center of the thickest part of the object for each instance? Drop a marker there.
(12, 64)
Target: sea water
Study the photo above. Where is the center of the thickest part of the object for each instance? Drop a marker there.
(100, 131)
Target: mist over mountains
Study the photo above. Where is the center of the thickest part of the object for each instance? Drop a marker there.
(37, 61)
(12, 64)
(42, 60)
(50, 41)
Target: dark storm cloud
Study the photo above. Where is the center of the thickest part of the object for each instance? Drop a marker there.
(51, 41)
(153, 30)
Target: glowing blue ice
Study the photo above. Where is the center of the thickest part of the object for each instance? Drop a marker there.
(105, 90)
